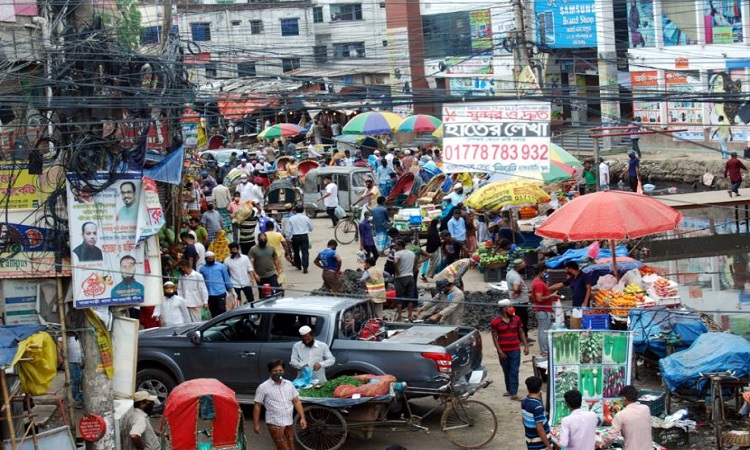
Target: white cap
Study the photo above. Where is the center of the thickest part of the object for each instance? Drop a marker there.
(244, 175)
(305, 330)
(504, 302)
(145, 395)
(376, 152)
(458, 186)
(210, 255)
(407, 152)
(168, 283)
(243, 160)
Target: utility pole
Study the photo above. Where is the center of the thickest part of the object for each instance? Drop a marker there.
(522, 53)
(97, 387)
(166, 26)
(609, 86)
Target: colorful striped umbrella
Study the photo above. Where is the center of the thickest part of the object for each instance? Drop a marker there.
(559, 154)
(281, 130)
(373, 122)
(419, 123)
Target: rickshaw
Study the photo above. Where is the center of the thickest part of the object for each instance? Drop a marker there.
(305, 166)
(281, 196)
(202, 414)
(432, 193)
(350, 181)
(403, 194)
(285, 166)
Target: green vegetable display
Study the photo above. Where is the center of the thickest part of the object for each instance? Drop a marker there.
(566, 379)
(615, 348)
(591, 348)
(325, 390)
(591, 381)
(566, 347)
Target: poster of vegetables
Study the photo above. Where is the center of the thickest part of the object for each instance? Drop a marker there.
(595, 362)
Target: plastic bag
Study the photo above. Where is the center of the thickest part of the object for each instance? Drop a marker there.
(340, 213)
(205, 314)
(304, 377)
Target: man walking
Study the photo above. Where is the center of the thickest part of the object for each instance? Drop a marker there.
(366, 237)
(298, 231)
(136, 432)
(457, 229)
(724, 132)
(519, 292)
(535, 423)
(309, 352)
(733, 169)
(330, 261)
(635, 137)
(404, 262)
(218, 284)
(380, 220)
(633, 171)
(507, 336)
(633, 422)
(173, 310)
(192, 287)
(542, 300)
(281, 400)
(265, 262)
(604, 176)
(578, 429)
(330, 199)
(239, 268)
(211, 219)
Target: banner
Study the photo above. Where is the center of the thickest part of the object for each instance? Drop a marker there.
(596, 363)
(20, 299)
(20, 186)
(108, 260)
(507, 137)
(481, 30)
(569, 24)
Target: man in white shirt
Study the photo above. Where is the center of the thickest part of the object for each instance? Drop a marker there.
(281, 400)
(578, 430)
(248, 168)
(173, 310)
(604, 176)
(297, 232)
(222, 197)
(239, 267)
(245, 189)
(312, 151)
(312, 353)
(330, 199)
(458, 195)
(193, 289)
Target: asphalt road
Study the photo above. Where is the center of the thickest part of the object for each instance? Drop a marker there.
(510, 430)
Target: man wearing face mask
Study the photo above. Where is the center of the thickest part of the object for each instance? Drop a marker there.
(446, 307)
(173, 310)
(266, 265)
(312, 353)
(281, 400)
(519, 292)
(239, 268)
(245, 189)
(218, 284)
(136, 432)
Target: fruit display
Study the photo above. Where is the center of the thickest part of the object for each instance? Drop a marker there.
(664, 288)
(528, 212)
(619, 302)
(634, 288)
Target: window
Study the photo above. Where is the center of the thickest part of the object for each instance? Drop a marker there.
(349, 50)
(246, 69)
(225, 2)
(350, 11)
(236, 23)
(447, 35)
(321, 53)
(289, 64)
(317, 14)
(150, 35)
(290, 27)
(285, 327)
(352, 321)
(238, 328)
(256, 27)
(200, 32)
(211, 70)
(385, 43)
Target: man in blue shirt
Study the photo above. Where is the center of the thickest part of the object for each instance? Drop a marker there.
(535, 422)
(380, 224)
(633, 171)
(330, 261)
(366, 238)
(218, 284)
(457, 229)
(579, 283)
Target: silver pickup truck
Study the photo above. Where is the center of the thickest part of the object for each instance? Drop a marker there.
(235, 346)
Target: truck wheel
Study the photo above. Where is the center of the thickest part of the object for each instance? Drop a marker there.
(156, 381)
(311, 213)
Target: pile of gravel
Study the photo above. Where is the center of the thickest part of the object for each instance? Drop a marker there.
(481, 308)
(352, 284)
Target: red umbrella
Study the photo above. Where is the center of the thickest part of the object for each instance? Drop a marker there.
(612, 215)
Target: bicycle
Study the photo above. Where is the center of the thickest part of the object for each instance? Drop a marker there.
(347, 230)
(465, 422)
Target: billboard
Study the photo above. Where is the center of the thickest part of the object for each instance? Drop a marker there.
(507, 137)
(108, 253)
(18, 188)
(566, 23)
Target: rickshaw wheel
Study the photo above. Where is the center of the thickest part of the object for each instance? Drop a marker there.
(311, 213)
(326, 429)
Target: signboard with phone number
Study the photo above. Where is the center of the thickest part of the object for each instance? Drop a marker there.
(496, 137)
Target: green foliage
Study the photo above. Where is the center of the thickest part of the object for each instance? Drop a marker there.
(128, 25)
(326, 389)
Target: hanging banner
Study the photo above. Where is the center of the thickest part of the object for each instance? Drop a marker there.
(481, 30)
(507, 137)
(569, 24)
(596, 363)
(108, 260)
(18, 188)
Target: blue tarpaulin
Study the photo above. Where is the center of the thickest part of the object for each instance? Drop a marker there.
(10, 336)
(579, 254)
(711, 352)
(649, 325)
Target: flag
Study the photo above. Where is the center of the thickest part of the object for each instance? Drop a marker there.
(169, 170)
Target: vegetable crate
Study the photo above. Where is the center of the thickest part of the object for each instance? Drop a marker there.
(595, 322)
(494, 275)
(656, 406)
(671, 437)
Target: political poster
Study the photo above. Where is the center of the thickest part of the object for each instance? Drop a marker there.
(107, 253)
(594, 362)
(496, 137)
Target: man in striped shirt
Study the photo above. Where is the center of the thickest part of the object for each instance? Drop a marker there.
(507, 335)
(281, 400)
(535, 423)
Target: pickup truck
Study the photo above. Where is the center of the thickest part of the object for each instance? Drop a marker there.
(236, 346)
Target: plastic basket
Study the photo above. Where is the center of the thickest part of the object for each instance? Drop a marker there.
(657, 405)
(671, 437)
(595, 322)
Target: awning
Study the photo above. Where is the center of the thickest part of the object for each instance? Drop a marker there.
(237, 107)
